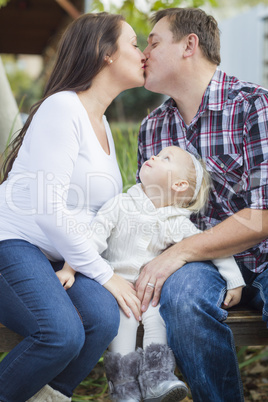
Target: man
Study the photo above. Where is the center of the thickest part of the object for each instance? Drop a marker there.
(225, 122)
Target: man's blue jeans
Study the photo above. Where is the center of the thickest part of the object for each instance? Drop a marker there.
(202, 343)
(65, 333)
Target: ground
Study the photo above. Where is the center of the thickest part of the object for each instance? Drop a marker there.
(254, 378)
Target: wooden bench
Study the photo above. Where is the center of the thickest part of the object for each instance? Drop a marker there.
(8, 339)
(247, 326)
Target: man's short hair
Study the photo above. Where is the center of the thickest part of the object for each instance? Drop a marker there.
(184, 21)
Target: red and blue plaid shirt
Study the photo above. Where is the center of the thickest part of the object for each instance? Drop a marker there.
(230, 133)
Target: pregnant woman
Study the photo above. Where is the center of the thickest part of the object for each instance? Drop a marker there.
(60, 170)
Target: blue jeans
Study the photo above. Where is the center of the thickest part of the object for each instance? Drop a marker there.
(202, 343)
(65, 333)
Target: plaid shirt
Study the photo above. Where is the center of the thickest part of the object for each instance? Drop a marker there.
(230, 133)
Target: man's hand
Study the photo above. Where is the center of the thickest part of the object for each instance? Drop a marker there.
(154, 274)
(234, 235)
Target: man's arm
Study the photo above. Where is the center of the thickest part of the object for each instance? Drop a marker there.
(236, 234)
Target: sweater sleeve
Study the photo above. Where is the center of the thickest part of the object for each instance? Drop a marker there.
(227, 267)
(55, 142)
(230, 272)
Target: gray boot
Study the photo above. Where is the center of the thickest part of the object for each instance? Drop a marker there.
(157, 379)
(122, 375)
(48, 394)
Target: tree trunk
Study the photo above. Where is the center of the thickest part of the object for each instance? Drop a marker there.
(10, 120)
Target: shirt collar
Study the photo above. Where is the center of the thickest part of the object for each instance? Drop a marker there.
(216, 94)
(214, 98)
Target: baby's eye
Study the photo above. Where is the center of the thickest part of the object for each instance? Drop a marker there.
(166, 158)
(137, 46)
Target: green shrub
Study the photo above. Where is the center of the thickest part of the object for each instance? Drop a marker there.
(126, 144)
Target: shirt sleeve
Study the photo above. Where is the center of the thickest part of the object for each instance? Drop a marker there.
(55, 143)
(255, 177)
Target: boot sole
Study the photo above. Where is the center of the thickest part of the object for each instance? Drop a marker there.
(173, 395)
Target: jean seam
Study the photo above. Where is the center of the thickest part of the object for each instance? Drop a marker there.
(224, 313)
(29, 311)
(237, 368)
(8, 245)
(18, 357)
(258, 286)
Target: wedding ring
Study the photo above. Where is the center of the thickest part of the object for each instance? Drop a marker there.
(151, 285)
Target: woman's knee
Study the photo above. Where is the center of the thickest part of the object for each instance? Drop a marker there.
(102, 319)
(97, 307)
(108, 320)
(64, 335)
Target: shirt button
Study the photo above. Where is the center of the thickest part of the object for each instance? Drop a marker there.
(222, 165)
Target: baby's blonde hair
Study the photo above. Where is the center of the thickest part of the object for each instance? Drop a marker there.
(202, 197)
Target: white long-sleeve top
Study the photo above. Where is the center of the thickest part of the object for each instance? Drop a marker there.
(59, 180)
(129, 231)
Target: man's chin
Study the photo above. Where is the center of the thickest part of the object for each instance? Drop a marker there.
(150, 86)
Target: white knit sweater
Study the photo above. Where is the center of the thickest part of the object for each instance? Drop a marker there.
(129, 231)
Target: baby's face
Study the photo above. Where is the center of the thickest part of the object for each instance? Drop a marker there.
(169, 165)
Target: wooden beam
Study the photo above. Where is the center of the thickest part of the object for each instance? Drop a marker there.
(69, 8)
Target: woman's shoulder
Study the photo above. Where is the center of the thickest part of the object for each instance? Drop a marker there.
(61, 99)
(61, 105)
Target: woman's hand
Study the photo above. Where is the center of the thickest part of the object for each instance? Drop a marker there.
(125, 294)
(66, 276)
(154, 274)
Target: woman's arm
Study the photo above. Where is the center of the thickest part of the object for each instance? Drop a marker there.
(55, 139)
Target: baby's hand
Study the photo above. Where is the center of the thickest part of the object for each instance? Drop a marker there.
(66, 276)
(233, 297)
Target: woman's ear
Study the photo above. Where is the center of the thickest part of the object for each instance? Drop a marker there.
(191, 45)
(180, 186)
(108, 59)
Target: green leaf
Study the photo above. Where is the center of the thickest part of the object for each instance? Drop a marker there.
(3, 3)
(97, 6)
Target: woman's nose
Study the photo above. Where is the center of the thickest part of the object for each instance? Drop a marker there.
(143, 58)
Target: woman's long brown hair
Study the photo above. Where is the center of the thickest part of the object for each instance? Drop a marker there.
(80, 57)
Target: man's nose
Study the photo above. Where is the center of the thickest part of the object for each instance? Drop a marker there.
(146, 53)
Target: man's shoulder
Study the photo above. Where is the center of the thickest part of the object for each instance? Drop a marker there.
(240, 90)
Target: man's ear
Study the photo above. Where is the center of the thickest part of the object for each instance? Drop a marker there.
(180, 186)
(191, 45)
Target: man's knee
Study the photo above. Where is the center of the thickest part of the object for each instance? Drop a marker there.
(195, 286)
